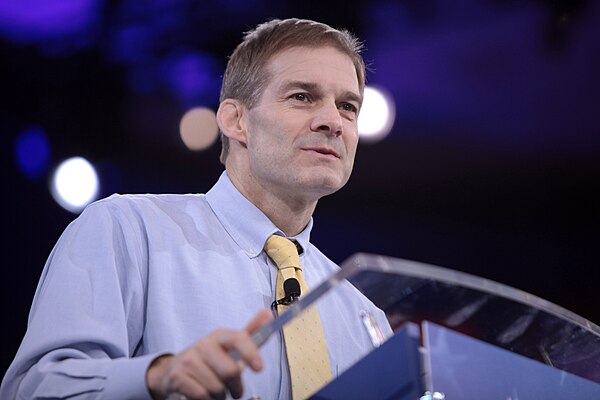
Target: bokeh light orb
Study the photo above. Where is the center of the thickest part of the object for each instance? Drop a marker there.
(377, 114)
(198, 128)
(74, 184)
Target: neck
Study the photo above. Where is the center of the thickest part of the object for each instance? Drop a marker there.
(290, 214)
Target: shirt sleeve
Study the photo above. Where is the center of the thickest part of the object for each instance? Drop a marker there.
(87, 317)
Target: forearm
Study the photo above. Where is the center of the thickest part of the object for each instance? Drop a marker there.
(87, 316)
(65, 374)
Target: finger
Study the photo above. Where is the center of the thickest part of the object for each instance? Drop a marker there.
(219, 357)
(241, 343)
(191, 367)
(216, 356)
(186, 385)
(214, 366)
(261, 318)
(235, 387)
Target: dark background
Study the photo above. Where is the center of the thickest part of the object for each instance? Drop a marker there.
(491, 168)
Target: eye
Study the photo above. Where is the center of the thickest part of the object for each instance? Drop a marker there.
(300, 97)
(349, 107)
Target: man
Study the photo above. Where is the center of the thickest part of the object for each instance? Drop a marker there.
(135, 296)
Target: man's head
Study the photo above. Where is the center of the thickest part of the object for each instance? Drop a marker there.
(246, 74)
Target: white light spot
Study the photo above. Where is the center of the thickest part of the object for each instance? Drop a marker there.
(74, 184)
(377, 115)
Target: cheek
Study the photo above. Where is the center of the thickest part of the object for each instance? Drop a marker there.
(260, 134)
(351, 146)
(351, 142)
(268, 145)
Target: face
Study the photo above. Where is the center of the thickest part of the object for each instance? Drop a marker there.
(302, 135)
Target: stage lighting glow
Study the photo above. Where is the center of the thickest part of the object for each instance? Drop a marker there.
(74, 184)
(32, 152)
(192, 77)
(198, 128)
(57, 22)
(377, 115)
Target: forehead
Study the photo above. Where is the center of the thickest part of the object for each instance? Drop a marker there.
(326, 66)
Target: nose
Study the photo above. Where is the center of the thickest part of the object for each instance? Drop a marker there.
(327, 119)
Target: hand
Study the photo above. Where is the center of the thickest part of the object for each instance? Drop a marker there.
(206, 369)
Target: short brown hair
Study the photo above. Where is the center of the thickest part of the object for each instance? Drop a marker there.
(245, 76)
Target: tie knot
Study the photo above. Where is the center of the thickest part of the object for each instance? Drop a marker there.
(283, 252)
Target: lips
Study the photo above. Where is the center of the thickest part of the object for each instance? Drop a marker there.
(324, 151)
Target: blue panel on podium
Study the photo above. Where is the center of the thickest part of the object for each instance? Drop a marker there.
(391, 371)
(468, 369)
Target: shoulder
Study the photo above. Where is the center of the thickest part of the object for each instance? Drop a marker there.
(350, 293)
(141, 204)
(147, 200)
(140, 212)
(323, 260)
(318, 266)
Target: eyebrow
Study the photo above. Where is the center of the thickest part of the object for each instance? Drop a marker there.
(315, 88)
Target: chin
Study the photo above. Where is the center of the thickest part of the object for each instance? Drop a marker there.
(321, 181)
(326, 185)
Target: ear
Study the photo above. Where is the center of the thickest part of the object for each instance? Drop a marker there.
(230, 118)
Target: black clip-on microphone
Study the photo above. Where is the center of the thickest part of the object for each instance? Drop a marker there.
(291, 289)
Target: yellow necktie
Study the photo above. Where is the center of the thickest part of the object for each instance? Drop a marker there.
(310, 368)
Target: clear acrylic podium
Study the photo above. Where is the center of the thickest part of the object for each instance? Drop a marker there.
(462, 337)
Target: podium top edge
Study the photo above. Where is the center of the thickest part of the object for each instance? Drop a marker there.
(388, 264)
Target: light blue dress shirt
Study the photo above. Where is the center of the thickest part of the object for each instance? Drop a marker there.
(137, 276)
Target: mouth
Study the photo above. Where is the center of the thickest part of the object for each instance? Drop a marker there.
(326, 151)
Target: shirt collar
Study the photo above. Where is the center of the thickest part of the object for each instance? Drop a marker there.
(245, 223)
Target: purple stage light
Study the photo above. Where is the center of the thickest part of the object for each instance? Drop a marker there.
(192, 77)
(32, 152)
(54, 24)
